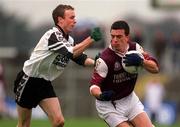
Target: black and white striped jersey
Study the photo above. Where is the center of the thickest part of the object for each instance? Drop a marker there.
(50, 56)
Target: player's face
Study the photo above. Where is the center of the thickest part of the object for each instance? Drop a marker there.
(69, 21)
(119, 41)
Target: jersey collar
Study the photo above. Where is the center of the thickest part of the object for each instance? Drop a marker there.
(118, 53)
(64, 34)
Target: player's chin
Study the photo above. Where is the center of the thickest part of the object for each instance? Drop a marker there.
(70, 29)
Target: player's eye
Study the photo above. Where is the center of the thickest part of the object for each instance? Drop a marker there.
(119, 36)
(112, 36)
(72, 17)
(116, 36)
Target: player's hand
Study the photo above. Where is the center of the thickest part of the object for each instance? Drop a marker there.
(133, 60)
(96, 34)
(96, 57)
(106, 95)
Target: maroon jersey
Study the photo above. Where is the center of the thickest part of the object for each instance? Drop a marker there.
(110, 75)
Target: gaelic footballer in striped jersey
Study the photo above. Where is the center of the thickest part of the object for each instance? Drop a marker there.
(51, 55)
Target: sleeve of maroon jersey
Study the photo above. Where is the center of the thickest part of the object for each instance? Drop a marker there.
(96, 79)
(149, 57)
(146, 55)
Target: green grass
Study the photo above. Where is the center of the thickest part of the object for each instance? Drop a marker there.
(83, 122)
(68, 123)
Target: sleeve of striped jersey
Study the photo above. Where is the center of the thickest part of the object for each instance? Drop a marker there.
(58, 46)
(80, 59)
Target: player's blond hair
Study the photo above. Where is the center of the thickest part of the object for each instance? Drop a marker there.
(59, 11)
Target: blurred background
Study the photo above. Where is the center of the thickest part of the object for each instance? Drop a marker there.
(155, 24)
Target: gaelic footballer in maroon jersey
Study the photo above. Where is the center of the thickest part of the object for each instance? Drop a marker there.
(117, 79)
(113, 87)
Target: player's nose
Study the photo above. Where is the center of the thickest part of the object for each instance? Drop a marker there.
(114, 41)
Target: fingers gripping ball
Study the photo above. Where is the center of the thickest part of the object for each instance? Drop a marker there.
(132, 62)
(133, 58)
(96, 34)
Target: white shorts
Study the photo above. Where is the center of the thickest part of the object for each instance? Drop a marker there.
(125, 109)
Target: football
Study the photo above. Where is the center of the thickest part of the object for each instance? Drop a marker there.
(132, 69)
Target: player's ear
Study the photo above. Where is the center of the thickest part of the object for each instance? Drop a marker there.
(128, 38)
(60, 19)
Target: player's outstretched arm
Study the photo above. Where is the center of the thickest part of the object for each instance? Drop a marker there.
(90, 61)
(81, 47)
(150, 63)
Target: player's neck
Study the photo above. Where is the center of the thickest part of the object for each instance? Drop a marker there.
(123, 50)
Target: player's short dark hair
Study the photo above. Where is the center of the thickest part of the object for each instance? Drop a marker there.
(59, 11)
(121, 25)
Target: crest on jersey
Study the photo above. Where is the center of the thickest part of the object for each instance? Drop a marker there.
(58, 33)
(59, 36)
(117, 66)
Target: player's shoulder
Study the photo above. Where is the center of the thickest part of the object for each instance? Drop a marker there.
(106, 53)
(54, 33)
(108, 56)
(57, 31)
(54, 30)
(132, 45)
(135, 46)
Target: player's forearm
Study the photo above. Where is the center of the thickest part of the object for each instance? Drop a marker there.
(89, 62)
(81, 47)
(150, 66)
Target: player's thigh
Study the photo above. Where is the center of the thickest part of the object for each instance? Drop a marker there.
(142, 120)
(52, 108)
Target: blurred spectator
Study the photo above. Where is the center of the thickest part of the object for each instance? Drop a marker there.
(83, 29)
(2, 93)
(154, 95)
(175, 42)
(138, 36)
(159, 46)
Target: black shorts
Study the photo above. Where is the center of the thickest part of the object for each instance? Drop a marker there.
(29, 91)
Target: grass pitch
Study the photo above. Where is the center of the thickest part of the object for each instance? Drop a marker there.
(80, 122)
(45, 123)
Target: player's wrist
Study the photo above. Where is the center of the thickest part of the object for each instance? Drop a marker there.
(96, 57)
(98, 97)
(106, 95)
(101, 97)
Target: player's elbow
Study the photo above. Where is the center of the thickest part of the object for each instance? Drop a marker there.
(153, 70)
(95, 90)
(156, 70)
